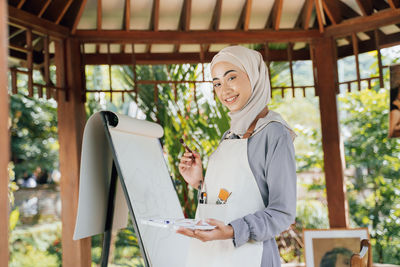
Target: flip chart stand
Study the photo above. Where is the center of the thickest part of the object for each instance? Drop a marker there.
(109, 119)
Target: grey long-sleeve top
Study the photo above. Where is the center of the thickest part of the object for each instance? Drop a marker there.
(272, 161)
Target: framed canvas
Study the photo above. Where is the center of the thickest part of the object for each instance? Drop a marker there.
(332, 247)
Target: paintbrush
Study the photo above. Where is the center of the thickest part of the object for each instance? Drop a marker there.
(187, 148)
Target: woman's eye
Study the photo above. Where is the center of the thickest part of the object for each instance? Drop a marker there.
(216, 84)
(231, 78)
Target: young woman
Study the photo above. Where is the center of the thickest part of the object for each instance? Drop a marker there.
(254, 161)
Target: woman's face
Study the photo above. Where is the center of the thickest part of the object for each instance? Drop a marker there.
(231, 84)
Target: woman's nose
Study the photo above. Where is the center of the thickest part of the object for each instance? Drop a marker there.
(225, 88)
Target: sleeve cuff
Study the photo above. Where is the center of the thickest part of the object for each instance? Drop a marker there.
(241, 232)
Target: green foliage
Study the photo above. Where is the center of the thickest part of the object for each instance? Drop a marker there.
(36, 246)
(374, 190)
(33, 134)
(312, 214)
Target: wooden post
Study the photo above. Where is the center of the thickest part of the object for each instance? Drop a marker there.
(325, 71)
(4, 135)
(71, 121)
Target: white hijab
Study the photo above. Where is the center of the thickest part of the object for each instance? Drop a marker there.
(251, 62)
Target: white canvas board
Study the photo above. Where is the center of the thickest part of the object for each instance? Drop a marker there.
(147, 180)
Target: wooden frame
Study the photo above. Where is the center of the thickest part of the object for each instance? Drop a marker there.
(328, 241)
(357, 260)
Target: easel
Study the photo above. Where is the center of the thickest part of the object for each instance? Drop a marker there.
(109, 119)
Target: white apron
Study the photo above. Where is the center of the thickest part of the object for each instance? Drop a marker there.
(228, 168)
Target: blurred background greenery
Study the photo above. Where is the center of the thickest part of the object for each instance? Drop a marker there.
(372, 160)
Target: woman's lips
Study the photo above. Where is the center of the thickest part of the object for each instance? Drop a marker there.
(231, 99)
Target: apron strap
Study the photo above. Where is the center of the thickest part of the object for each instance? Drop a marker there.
(250, 130)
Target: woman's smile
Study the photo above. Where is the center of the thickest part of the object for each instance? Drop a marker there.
(231, 99)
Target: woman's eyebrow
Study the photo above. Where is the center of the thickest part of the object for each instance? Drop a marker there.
(226, 73)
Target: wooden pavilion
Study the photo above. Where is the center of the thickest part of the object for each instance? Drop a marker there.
(70, 34)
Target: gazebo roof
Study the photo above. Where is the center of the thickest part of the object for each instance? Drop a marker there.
(192, 31)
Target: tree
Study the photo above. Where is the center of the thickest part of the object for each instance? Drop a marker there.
(34, 139)
(374, 191)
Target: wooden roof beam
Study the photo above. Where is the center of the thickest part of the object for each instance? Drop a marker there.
(44, 7)
(63, 10)
(184, 19)
(154, 21)
(363, 24)
(78, 16)
(216, 18)
(303, 20)
(274, 18)
(127, 15)
(348, 13)
(126, 20)
(195, 37)
(332, 9)
(20, 4)
(215, 21)
(394, 3)
(181, 58)
(365, 6)
(320, 15)
(99, 15)
(244, 19)
(155, 15)
(23, 19)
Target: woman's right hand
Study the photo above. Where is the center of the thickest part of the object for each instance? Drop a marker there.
(192, 171)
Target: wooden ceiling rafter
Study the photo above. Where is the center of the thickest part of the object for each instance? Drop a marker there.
(24, 20)
(394, 3)
(63, 11)
(363, 23)
(99, 15)
(20, 4)
(215, 21)
(366, 7)
(274, 18)
(78, 16)
(126, 20)
(320, 14)
(303, 20)
(184, 20)
(244, 19)
(332, 9)
(349, 13)
(44, 7)
(154, 21)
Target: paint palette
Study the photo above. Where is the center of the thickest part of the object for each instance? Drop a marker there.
(176, 223)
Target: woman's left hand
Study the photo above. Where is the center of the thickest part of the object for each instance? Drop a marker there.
(221, 231)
